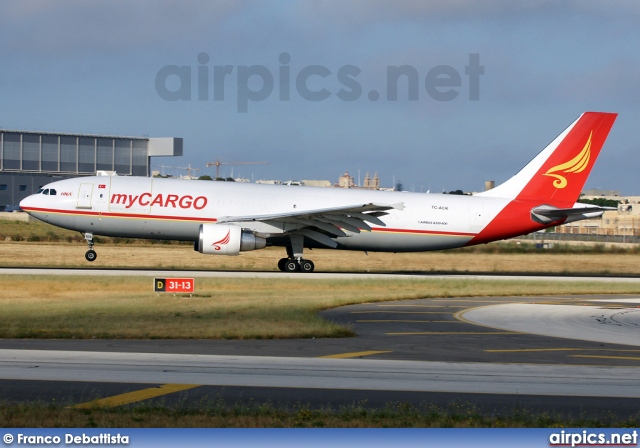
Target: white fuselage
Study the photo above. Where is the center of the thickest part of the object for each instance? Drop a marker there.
(138, 207)
(226, 218)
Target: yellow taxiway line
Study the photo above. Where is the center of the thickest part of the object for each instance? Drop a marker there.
(355, 354)
(412, 321)
(132, 397)
(444, 333)
(401, 312)
(422, 306)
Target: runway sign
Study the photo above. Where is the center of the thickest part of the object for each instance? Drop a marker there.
(174, 285)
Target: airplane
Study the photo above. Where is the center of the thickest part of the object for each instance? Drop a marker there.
(226, 218)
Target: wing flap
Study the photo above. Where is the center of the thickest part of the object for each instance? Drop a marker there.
(357, 223)
(321, 225)
(319, 237)
(369, 217)
(360, 208)
(327, 227)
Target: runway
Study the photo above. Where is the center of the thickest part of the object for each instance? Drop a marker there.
(569, 354)
(327, 373)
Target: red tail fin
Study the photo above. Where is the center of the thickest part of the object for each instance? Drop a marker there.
(558, 174)
(553, 179)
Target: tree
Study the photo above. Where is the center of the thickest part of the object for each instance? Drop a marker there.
(399, 186)
(205, 177)
(602, 202)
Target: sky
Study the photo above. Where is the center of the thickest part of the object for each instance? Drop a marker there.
(436, 95)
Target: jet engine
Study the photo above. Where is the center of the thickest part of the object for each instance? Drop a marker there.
(227, 239)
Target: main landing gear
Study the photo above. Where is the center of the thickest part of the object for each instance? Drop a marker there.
(295, 265)
(91, 254)
(295, 262)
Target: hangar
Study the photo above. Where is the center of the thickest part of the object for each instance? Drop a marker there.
(30, 159)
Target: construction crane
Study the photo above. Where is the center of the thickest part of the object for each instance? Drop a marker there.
(217, 164)
(162, 167)
(188, 168)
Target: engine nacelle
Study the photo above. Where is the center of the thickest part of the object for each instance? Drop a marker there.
(227, 239)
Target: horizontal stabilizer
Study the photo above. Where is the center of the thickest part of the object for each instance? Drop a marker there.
(546, 214)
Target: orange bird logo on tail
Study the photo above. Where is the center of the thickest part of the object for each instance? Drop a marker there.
(575, 165)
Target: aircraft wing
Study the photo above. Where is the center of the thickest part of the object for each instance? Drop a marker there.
(323, 224)
(546, 214)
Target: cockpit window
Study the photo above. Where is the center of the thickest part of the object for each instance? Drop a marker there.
(46, 191)
(52, 192)
(40, 191)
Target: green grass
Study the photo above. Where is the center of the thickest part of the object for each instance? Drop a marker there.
(265, 415)
(226, 308)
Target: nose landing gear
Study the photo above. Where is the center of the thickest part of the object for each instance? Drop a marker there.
(91, 254)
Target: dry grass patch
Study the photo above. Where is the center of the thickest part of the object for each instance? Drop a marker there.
(36, 244)
(174, 256)
(101, 307)
(108, 307)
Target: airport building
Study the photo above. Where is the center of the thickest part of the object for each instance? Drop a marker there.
(29, 160)
(625, 221)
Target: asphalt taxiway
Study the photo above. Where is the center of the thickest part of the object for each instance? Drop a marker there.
(565, 354)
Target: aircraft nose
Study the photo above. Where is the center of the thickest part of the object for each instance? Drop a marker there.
(27, 202)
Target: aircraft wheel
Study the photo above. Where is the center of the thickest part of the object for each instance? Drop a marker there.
(306, 266)
(91, 255)
(281, 264)
(291, 266)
